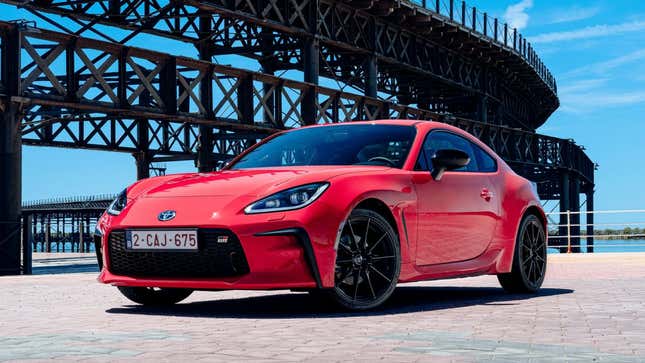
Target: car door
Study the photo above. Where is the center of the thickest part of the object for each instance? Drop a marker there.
(459, 213)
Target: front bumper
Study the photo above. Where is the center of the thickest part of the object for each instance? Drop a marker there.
(278, 257)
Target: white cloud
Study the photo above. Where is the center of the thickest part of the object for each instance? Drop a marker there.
(574, 13)
(516, 15)
(589, 32)
(580, 103)
(581, 85)
(606, 66)
(589, 95)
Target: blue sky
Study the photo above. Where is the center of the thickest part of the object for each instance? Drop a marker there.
(596, 49)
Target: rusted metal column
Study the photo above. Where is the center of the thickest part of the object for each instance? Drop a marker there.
(142, 160)
(310, 57)
(27, 243)
(204, 160)
(311, 66)
(10, 159)
(575, 216)
(564, 209)
(590, 220)
(81, 242)
(371, 72)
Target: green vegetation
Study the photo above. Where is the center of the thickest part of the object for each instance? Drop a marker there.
(621, 234)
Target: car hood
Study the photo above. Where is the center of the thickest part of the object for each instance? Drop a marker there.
(252, 182)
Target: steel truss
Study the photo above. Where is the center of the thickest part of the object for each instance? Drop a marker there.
(420, 56)
(107, 96)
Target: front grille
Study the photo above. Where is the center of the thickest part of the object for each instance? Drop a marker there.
(211, 260)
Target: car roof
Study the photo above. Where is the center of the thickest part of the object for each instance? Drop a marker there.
(430, 124)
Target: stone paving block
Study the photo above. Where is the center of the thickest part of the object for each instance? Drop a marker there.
(575, 318)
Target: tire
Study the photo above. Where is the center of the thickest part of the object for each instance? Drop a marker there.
(368, 262)
(529, 259)
(154, 296)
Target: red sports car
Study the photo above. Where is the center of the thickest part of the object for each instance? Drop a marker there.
(345, 210)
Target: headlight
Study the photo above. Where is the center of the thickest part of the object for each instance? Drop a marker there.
(289, 199)
(118, 204)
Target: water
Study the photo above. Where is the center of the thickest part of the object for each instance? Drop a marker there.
(600, 246)
(613, 246)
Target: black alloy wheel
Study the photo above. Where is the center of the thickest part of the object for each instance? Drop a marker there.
(530, 259)
(154, 296)
(367, 261)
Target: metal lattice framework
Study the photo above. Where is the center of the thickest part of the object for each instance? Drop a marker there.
(134, 100)
(444, 57)
(406, 60)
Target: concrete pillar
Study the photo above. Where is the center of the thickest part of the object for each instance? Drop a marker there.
(564, 208)
(590, 220)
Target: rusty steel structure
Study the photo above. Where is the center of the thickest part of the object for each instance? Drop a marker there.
(437, 61)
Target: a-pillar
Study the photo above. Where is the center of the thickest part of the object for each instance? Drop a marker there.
(590, 219)
(575, 213)
(564, 210)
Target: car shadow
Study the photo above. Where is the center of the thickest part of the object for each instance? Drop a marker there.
(406, 299)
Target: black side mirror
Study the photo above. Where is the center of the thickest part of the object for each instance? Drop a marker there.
(447, 160)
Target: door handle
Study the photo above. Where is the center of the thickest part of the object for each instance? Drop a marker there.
(486, 194)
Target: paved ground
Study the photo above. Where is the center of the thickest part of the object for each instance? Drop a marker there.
(591, 309)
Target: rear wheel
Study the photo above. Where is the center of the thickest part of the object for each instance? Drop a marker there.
(154, 296)
(529, 260)
(367, 261)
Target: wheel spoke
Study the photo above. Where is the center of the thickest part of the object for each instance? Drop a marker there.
(356, 277)
(346, 247)
(527, 259)
(353, 235)
(382, 258)
(380, 273)
(369, 282)
(342, 262)
(376, 243)
(346, 275)
(528, 275)
(367, 229)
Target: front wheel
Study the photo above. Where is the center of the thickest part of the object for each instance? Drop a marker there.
(529, 259)
(367, 261)
(154, 296)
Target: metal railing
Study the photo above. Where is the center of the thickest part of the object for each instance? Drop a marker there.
(617, 233)
(471, 19)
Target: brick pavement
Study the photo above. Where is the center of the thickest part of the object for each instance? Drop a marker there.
(591, 309)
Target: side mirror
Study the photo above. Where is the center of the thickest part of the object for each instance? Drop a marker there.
(447, 160)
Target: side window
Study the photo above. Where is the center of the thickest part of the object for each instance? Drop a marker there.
(439, 140)
(486, 162)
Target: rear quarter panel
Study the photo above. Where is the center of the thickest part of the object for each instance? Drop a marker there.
(517, 196)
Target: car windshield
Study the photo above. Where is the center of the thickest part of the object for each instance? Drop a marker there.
(364, 144)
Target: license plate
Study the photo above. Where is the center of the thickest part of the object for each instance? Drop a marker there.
(161, 240)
